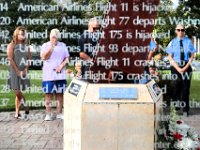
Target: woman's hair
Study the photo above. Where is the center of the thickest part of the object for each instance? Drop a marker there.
(56, 33)
(16, 32)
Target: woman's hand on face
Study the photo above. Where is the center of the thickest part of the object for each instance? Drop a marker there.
(53, 41)
(53, 44)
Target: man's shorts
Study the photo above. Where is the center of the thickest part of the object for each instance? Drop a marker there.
(57, 87)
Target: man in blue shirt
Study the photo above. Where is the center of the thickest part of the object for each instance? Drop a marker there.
(181, 54)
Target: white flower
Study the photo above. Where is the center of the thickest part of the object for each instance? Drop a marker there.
(183, 126)
(185, 144)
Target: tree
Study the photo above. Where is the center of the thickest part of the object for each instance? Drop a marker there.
(164, 15)
(190, 8)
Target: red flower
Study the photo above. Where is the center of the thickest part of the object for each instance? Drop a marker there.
(198, 148)
(177, 136)
(179, 121)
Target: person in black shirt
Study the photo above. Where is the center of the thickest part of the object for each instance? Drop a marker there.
(87, 43)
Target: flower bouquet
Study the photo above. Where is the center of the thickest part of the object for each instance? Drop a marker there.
(180, 135)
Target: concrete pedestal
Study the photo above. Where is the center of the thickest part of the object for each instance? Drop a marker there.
(92, 123)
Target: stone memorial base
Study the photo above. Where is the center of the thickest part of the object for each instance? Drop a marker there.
(110, 116)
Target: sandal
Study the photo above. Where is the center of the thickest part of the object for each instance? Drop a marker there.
(18, 116)
(23, 103)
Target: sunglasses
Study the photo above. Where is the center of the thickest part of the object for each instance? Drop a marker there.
(96, 28)
(180, 30)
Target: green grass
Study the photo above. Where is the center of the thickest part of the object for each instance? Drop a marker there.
(9, 98)
(195, 87)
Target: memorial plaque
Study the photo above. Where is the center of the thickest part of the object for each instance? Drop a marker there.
(155, 90)
(117, 93)
(97, 117)
(74, 89)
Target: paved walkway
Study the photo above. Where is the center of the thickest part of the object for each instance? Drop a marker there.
(193, 120)
(32, 134)
(36, 134)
